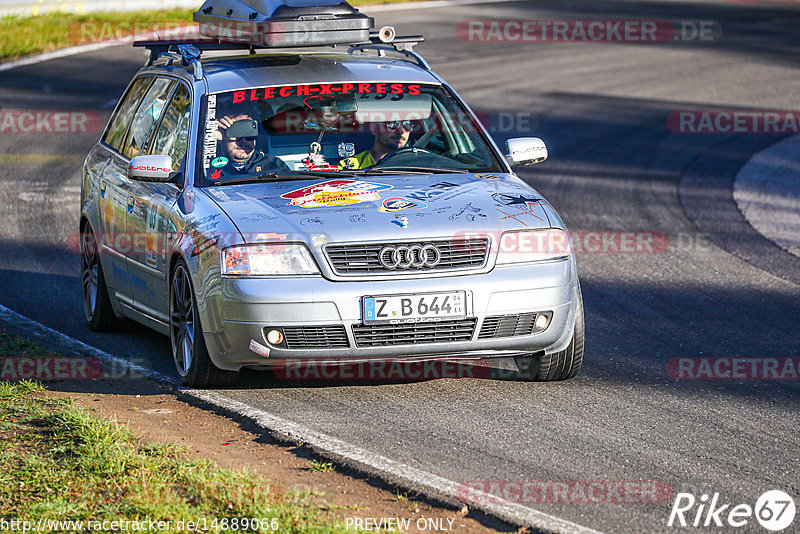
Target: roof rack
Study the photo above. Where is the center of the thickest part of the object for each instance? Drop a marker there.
(189, 51)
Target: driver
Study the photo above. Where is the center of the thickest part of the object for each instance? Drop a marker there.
(240, 156)
(389, 137)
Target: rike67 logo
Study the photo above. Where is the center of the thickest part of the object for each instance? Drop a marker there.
(774, 510)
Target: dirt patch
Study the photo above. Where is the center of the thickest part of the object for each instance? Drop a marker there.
(158, 415)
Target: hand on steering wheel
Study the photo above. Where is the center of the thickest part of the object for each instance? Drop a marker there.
(402, 151)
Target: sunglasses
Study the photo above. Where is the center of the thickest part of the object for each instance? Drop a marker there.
(396, 125)
(236, 139)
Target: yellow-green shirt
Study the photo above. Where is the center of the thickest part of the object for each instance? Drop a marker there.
(363, 160)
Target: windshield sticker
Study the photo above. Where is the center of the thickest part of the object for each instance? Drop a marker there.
(393, 204)
(216, 175)
(219, 162)
(335, 193)
(212, 129)
(325, 89)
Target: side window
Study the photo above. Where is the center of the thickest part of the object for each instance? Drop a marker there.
(172, 136)
(119, 123)
(147, 117)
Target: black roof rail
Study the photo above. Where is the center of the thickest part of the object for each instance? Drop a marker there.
(189, 51)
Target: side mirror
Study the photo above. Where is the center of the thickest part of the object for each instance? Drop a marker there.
(525, 151)
(151, 169)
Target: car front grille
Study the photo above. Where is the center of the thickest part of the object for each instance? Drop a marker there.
(415, 333)
(520, 324)
(315, 337)
(364, 258)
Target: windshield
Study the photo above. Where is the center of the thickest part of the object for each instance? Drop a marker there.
(341, 128)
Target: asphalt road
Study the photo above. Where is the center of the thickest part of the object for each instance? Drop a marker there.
(719, 289)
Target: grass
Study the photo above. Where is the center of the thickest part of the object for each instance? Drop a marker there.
(26, 35)
(316, 465)
(61, 463)
(22, 36)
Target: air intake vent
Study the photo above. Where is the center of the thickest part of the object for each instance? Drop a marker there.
(315, 337)
(521, 324)
(414, 334)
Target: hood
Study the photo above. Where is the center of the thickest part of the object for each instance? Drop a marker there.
(381, 207)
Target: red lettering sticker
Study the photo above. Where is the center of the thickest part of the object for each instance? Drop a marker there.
(325, 89)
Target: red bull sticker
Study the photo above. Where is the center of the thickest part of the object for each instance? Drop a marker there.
(335, 193)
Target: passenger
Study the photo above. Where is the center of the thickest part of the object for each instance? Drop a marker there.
(389, 136)
(239, 134)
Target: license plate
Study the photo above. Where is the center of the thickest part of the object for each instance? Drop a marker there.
(414, 308)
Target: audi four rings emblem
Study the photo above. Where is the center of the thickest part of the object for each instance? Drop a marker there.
(406, 257)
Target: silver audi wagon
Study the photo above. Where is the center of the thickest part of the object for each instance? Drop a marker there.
(320, 206)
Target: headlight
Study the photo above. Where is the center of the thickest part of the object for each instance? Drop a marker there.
(525, 246)
(274, 259)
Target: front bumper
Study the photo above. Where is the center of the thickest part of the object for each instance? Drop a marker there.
(249, 306)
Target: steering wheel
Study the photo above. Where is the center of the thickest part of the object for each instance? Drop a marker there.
(402, 151)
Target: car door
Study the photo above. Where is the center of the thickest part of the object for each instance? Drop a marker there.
(112, 204)
(149, 220)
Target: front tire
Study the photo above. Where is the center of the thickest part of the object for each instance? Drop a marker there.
(97, 309)
(189, 349)
(561, 365)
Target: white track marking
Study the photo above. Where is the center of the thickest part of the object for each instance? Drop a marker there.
(393, 471)
(767, 192)
(56, 54)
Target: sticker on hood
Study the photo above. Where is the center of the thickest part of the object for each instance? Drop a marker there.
(335, 193)
(399, 203)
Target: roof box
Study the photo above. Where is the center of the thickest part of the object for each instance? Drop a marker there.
(283, 23)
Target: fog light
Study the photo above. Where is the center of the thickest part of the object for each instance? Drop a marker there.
(275, 337)
(542, 321)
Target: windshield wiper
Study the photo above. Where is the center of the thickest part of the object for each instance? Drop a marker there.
(411, 170)
(278, 176)
(294, 174)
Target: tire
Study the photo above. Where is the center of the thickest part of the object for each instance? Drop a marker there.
(189, 349)
(97, 309)
(561, 365)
